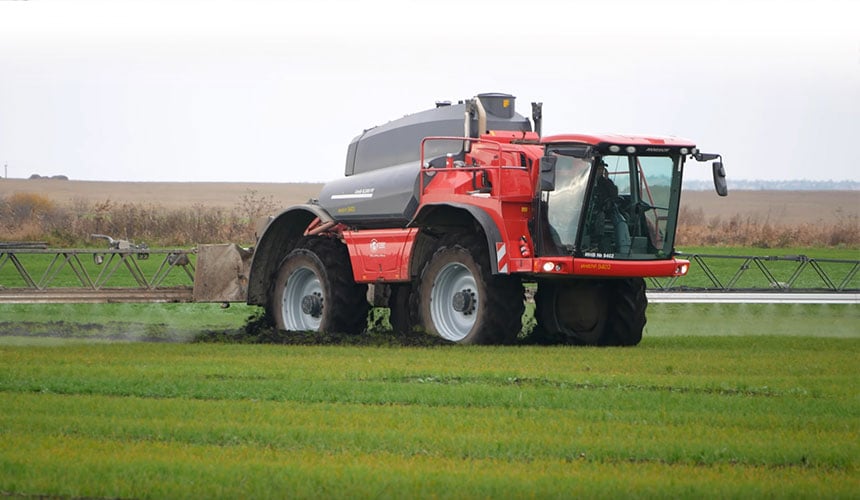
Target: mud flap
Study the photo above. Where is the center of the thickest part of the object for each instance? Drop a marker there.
(222, 273)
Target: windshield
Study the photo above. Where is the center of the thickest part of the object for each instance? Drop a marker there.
(571, 183)
(614, 206)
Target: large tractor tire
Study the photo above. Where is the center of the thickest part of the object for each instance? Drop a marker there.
(461, 300)
(627, 317)
(403, 307)
(572, 311)
(314, 290)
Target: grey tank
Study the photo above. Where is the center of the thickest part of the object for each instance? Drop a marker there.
(381, 185)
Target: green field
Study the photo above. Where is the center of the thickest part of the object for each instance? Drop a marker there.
(675, 417)
(180, 401)
(40, 324)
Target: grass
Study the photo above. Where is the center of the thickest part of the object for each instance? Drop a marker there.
(28, 324)
(172, 321)
(731, 400)
(702, 320)
(678, 416)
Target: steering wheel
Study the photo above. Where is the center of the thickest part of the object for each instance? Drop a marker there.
(643, 206)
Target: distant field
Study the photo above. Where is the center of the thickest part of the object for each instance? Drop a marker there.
(166, 194)
(776, 207)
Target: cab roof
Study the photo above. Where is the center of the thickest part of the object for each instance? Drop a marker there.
(620, 139)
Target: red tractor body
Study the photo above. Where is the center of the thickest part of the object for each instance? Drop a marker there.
(449, 227)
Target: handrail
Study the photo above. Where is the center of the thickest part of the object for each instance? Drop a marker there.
(466, 168)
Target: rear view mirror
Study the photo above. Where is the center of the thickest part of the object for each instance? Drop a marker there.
(705, 156)
(720, 178)
(547, 173)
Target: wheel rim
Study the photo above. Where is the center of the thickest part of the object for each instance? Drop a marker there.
(454, 302)
(302, 305)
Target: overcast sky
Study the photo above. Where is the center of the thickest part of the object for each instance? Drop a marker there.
(265, 91)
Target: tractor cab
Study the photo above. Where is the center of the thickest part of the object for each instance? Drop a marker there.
(612, 197)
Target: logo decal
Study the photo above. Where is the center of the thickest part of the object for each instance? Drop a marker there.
(376, 246)
(358, 193)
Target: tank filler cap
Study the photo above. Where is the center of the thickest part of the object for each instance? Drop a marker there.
(498, 104)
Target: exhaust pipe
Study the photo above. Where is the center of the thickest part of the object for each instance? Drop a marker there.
(537, 116)
(475, 107)
(482, 116)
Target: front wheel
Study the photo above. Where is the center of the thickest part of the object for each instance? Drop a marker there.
(627, 320)
(572, 311)
(314, 290)
(463, 302)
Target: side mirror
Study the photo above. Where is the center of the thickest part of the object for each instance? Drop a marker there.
(720, 178)
(705, 156)
(547, 173)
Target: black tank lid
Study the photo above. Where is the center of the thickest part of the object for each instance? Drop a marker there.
(498, 104)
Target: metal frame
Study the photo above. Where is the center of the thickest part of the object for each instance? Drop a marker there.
(44, 287)
(746, 263)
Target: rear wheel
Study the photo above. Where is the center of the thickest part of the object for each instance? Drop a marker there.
(462, 301)
(572, 311)
(314, 290)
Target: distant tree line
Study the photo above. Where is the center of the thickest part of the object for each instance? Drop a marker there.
(763, 185)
